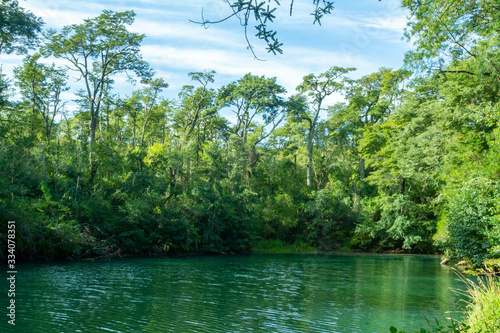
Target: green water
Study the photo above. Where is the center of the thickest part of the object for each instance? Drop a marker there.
(254, 293)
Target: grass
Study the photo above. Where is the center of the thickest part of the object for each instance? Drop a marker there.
(279, 246)
(483, 308)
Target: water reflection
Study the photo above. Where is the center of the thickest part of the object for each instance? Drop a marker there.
(256, 293)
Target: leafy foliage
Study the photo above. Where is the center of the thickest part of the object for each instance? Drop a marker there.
(470, 223)
(405, 163)
(19, 29)
(330, 217)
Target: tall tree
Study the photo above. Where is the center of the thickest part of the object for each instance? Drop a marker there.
(317, 88)
(98, 49)
(197, 104)
(4, 87)
(42, 86)
(369, 100)
(149, 97)
(253, 97)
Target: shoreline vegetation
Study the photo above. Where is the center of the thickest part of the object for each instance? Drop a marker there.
(408, 162)
(278, 246)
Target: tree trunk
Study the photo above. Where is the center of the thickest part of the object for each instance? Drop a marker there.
(146, 116)
(309, 162)
(92, 163)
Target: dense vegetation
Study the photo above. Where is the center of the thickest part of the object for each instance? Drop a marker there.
(410, 161)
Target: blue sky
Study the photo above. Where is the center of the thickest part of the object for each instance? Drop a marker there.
(366, 34)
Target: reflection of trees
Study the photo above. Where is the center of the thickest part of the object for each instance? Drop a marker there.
(226, 293)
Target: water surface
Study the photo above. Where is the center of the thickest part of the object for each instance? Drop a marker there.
(252, 293)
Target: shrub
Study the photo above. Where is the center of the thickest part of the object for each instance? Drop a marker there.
(330, 217)
(471, 225)
(396, 222)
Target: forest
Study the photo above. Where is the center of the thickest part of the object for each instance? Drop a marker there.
(408, 162)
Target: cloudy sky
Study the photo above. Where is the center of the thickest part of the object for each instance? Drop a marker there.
(366, 34)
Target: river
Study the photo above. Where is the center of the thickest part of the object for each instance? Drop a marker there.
(242, 293)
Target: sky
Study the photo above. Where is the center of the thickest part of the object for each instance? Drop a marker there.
(366, 34)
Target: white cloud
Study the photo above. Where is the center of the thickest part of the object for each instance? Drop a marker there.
(56, 16)
(390, 23)
(186, 33)
(232, 65)
(8, 62)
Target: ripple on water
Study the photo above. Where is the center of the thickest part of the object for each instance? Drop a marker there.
(258, 293)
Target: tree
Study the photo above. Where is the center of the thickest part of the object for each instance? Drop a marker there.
(149, 97)
(42, 86)
(257, 103)
(263, 12)
(197, 104)
(370, 100)
(18, 29)
(317, 88)
(98, 49)
(470, 223)
(253, 97)
(406, 154)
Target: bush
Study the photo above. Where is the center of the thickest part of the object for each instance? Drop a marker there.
(471, 226)
(331, 217)
(396, 222)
